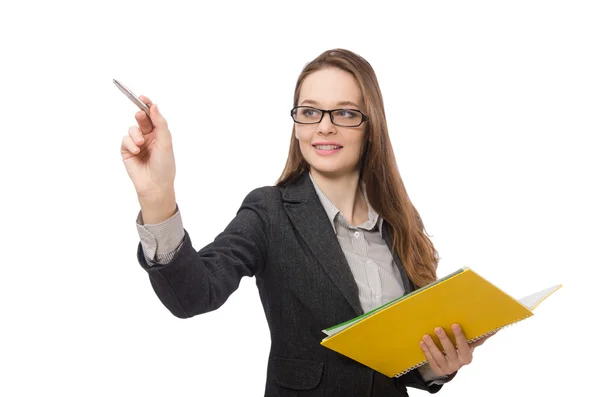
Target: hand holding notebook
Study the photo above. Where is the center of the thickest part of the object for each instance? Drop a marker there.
(387, 338)
(450, 359)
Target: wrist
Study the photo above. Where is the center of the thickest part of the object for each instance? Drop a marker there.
(158, 208)
(451, 376)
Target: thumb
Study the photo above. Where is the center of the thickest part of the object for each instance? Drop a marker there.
(159, 122)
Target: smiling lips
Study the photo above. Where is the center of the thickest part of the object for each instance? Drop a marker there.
(327, 147)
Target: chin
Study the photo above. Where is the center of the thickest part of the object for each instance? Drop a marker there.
(330, 166)
(332, 170)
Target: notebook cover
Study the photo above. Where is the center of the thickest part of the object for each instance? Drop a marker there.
(388, 341)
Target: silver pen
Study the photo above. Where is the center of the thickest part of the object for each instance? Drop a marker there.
(133, 98)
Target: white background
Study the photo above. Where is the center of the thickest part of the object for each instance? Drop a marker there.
(492, 109)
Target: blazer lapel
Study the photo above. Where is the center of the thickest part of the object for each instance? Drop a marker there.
(308, 216)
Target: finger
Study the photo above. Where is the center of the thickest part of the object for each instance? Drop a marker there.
(145, 99)
(447, 344)
(477, 343)
(127, 145)
(136, 135)
(438, 356)
(481, 341)
(160, 124)
(431, 360)
(144, 122)
(464, 350)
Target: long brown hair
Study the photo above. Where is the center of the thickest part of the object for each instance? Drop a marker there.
(377, 168)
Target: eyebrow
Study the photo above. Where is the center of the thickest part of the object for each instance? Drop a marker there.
(342, 103)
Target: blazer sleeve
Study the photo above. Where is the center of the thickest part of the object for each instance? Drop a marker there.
(196, 282)
(415, 380)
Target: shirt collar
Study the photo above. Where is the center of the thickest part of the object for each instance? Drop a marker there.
(332, 210)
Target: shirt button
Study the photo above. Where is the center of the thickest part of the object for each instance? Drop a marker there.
(356, 234)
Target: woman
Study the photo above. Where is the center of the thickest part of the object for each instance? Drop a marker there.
(335, 237)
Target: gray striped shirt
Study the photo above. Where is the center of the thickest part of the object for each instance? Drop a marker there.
(370, 260)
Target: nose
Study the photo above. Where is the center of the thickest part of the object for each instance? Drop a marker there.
(326, 127)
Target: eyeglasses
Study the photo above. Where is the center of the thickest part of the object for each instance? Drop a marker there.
(339, 117)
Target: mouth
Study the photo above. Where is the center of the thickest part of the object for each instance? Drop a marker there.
(327, 147)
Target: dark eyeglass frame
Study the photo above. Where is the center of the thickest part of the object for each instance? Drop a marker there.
(323, 111)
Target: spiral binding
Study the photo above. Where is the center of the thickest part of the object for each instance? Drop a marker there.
(407, 370)
(399, 374)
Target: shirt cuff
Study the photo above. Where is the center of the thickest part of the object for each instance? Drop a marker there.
(161, 241)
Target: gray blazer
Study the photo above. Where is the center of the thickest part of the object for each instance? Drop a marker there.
(282, 236)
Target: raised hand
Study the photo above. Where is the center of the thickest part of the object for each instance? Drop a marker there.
(147, 153)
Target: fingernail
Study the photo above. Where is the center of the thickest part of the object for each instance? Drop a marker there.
(455, 327)
(438, 331)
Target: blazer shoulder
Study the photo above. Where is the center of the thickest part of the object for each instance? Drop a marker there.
(265, 196)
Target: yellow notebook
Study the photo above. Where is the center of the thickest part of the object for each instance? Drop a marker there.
(387, 338)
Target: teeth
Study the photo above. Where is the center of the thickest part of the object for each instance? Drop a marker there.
(327, 147)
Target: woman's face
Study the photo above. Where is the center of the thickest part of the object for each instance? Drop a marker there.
(328, 89)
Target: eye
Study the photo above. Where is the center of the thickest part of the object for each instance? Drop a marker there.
(308, 112)
(349, 113)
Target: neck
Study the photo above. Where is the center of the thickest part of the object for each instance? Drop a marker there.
(345, 193)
